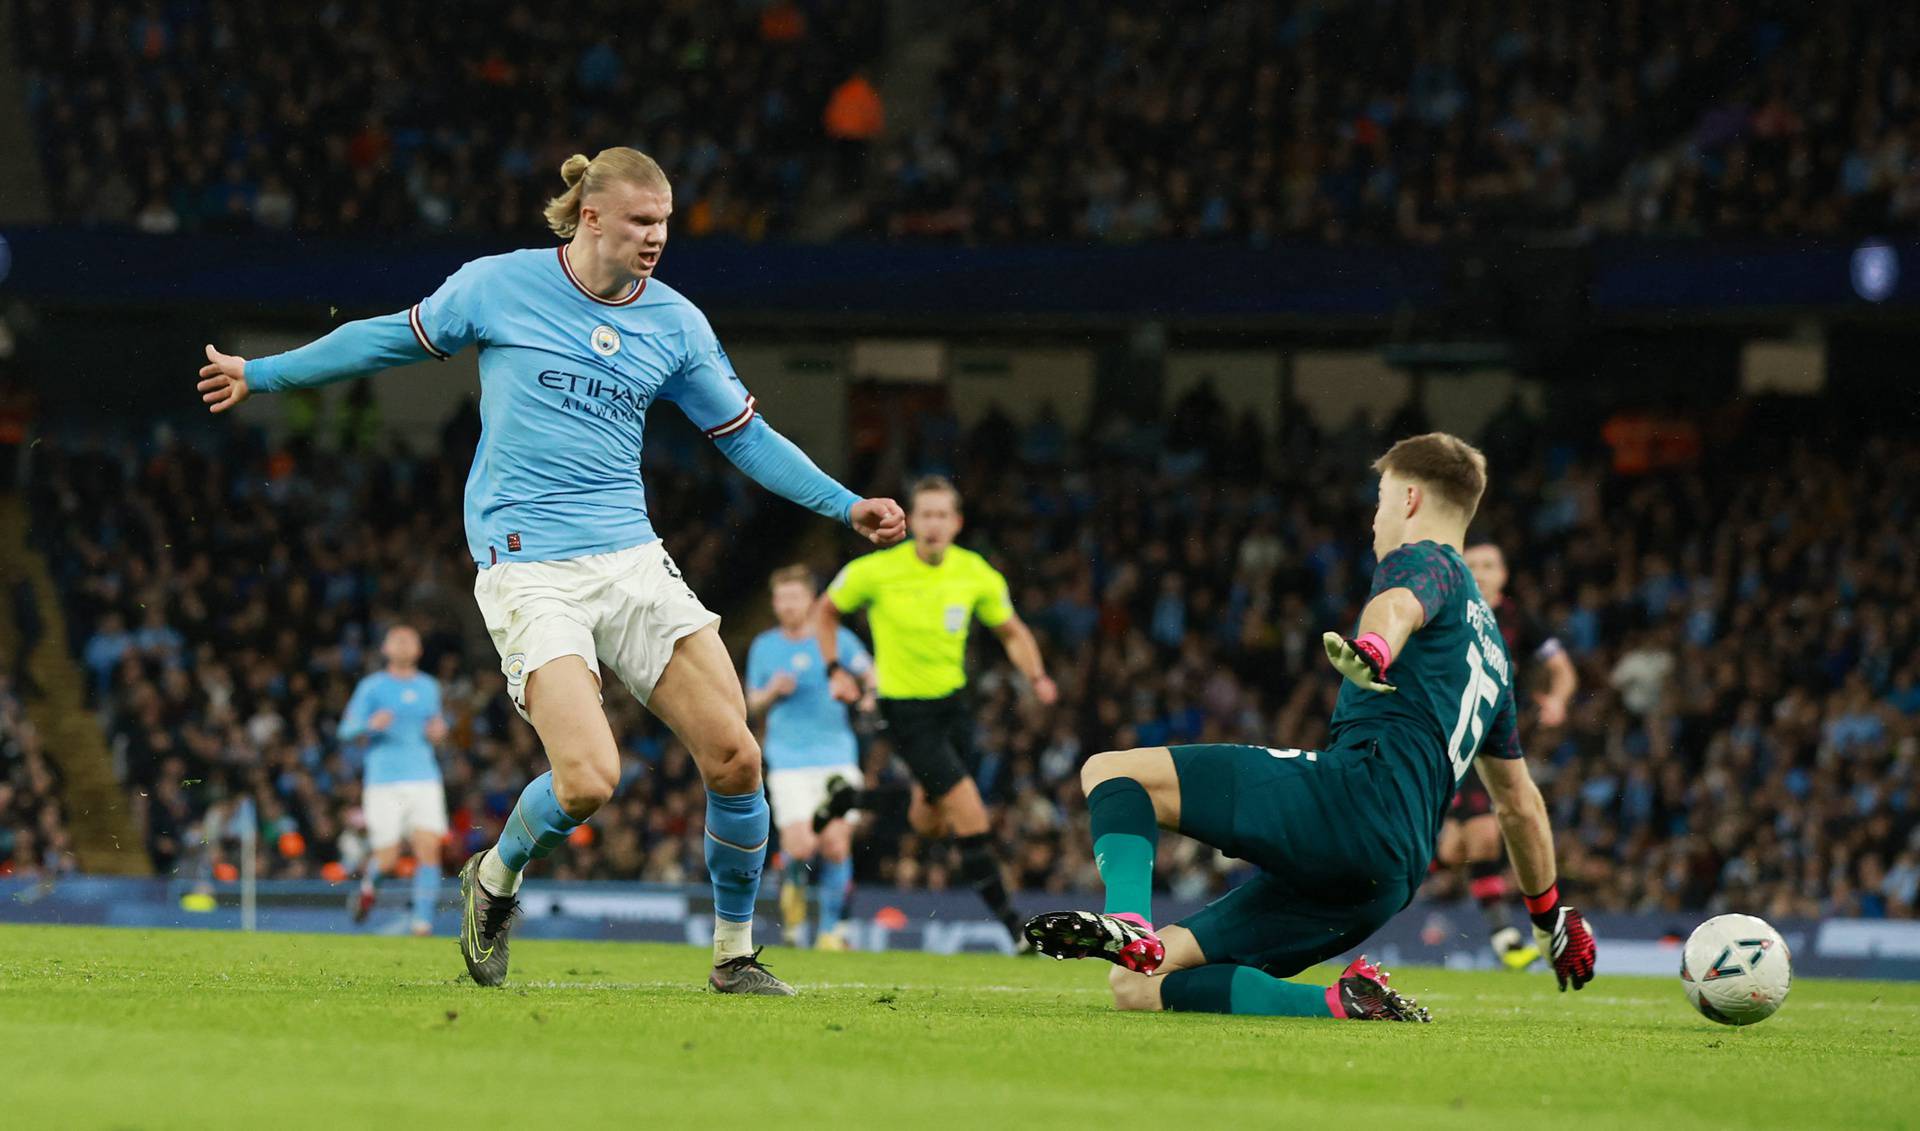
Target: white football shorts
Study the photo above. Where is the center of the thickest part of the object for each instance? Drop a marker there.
(402, 808)
(796, 793)
(626, 609)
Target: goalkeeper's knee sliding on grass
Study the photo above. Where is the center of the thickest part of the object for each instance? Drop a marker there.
(1342, 836)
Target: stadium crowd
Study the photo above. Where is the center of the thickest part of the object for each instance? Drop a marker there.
(217, 683)
(1748, 730)
(33, 830)
(360, 117)
(1746, 626)
(1413, 121)
(1409, 121)
(1257, 122)
(1820, 135)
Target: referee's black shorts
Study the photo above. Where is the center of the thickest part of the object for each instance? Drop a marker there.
(935, 739)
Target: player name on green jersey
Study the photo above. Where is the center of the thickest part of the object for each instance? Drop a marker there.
(1455, 683)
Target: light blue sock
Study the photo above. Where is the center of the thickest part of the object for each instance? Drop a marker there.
(370, 875)
(835, 876)
(736, 850)
(426, 891)
(536, 826)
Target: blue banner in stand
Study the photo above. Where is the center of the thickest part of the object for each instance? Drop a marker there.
(1432, 934)
(264, 270)
(1653, 276)
(1625, 276)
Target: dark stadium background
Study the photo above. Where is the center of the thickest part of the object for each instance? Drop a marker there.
(1153, 288)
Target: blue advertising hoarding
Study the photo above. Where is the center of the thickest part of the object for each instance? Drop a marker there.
(1426, 933)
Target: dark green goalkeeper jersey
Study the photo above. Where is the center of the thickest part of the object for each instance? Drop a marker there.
(1455, 694)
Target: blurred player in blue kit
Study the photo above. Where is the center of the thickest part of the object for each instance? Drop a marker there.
(395, 719)
(810, 746)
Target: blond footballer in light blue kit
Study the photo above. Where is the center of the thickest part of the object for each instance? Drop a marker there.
(576, 343)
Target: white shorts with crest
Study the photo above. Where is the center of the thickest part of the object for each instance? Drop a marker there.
(625, 609)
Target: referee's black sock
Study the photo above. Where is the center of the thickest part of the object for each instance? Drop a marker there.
(981, 871)
(850, 797)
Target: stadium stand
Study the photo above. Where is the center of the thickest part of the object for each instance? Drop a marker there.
(360, 117)
(1086, 121)
(214, 683)
(1746, 732)
(1410, 121)
(1818, 137)
(33, 832)
(1750, 709)
(1745, 626)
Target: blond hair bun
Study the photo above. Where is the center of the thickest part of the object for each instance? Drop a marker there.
(584, 177)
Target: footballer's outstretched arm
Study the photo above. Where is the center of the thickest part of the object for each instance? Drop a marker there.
(1559, 929)
(1394, 616)
(1522, 814)
(778, 464)
(353, 349)
(1410, 586)
(1385, 624)
(708, 390)
(438, 326)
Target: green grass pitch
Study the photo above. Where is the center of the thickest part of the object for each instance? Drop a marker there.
(137, 1029)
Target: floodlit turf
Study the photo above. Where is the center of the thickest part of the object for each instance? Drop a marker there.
(136, 1029)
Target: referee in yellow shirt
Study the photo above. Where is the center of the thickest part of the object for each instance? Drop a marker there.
(921, 597)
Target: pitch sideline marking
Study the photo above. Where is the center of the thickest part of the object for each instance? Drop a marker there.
(1611, 1000)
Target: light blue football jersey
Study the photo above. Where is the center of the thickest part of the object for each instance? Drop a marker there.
(401, 752)
(566, 378)
(809, 728)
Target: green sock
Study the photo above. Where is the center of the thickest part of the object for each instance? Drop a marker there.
(1125, 836)
(1242, 990)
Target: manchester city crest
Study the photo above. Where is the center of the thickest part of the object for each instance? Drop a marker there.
(605, 340)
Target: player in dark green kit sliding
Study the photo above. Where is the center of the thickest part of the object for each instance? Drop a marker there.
(1342, 836)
